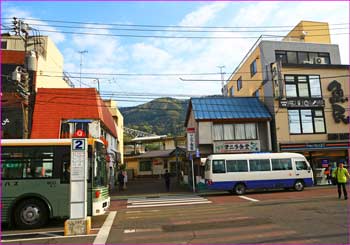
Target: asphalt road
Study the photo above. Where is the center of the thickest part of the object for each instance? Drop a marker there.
(313, 216)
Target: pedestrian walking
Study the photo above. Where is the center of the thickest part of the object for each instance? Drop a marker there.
(341, 175)
(167, 180)
(125, 179)
(121, 180)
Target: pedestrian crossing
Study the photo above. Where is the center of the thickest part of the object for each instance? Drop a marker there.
(169, 200)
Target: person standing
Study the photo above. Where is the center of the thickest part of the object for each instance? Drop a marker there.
(167, 180)
(121, 180)
(328, 173)
(341, 176)
(125, 179)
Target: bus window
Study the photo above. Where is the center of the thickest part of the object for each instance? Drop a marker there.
(260, 165)
(281, 164)
(219, 166)
(301, 165)
(237, 165)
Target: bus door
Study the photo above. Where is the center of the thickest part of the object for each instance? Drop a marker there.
(302, 169)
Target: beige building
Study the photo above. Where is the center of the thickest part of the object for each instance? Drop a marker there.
(49, 59)
(119, 122)
(306, 89)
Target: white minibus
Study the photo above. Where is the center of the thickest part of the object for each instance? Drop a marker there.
(238, 172)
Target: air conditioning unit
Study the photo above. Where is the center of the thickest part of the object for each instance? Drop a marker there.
(319, 60)
(308, 62)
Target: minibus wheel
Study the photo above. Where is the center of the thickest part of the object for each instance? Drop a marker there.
(240, 189)
(299, 185)
(30, 213)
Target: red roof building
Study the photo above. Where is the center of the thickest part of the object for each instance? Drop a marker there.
(52, 106)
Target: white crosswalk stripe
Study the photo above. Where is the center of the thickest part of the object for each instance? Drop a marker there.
(173, 200)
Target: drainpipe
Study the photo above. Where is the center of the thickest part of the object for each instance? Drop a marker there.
(269, 136)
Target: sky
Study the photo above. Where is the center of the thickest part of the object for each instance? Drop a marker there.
(108, 53)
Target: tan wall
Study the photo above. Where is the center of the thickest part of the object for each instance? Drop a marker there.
(310, 32)
(50, 68)
(248, 86)
(282, 124)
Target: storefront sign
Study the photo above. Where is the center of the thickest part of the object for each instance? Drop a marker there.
(191, 139)
(236, 146)
(344, 136)
(277, 79)
(292, 103)
(336, 99)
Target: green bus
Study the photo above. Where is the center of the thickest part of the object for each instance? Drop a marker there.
(36, 180)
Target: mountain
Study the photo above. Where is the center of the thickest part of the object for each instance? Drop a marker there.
(162, 116)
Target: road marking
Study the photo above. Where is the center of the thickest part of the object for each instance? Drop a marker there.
(41, 238)
(130, 231)
(166, 201)
(143, 230)
(168, 204)
(36, 232)
(249, 199)
(103, 233)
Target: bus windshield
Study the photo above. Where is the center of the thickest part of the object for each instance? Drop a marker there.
(100, 168)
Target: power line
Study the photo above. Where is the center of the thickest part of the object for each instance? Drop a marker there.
(172, 26)
(182, 31)
(180, 37)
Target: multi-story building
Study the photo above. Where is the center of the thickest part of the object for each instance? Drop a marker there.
(24, 68)
(119, 122)
(69, 112)
(306, 89)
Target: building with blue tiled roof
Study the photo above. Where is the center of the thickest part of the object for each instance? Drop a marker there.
(228, 125)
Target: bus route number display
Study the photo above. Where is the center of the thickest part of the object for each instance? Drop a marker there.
(79, 159)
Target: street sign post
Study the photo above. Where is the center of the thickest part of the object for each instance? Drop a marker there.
(79, 223)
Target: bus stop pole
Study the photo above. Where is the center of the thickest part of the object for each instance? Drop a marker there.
(193, 185)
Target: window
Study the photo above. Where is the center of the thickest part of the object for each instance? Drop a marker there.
(303, 86)
(218, 132)
(306, 121)
(292, 57)
(3, 45)
(301, 165)
(239, 131)
(27, 162)
(300, 57)
(250, 131)
(232, 91)
(237, 165)
(282, 56)
(259, 165)
(281, 164)
(253, 68)
(239, 84)
(145, 166)
(294, 122)
(219, 166)
(242, 131)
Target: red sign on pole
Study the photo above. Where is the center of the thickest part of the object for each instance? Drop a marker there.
(80, 133)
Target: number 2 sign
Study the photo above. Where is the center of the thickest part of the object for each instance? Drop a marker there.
(78, 144)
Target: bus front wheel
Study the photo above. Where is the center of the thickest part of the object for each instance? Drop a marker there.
(30, 213)
(299, 185)
(240, 189)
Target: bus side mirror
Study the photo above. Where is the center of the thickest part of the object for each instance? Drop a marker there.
(308, 168)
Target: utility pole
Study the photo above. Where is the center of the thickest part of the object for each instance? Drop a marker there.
(222, 78)
(81, 61)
